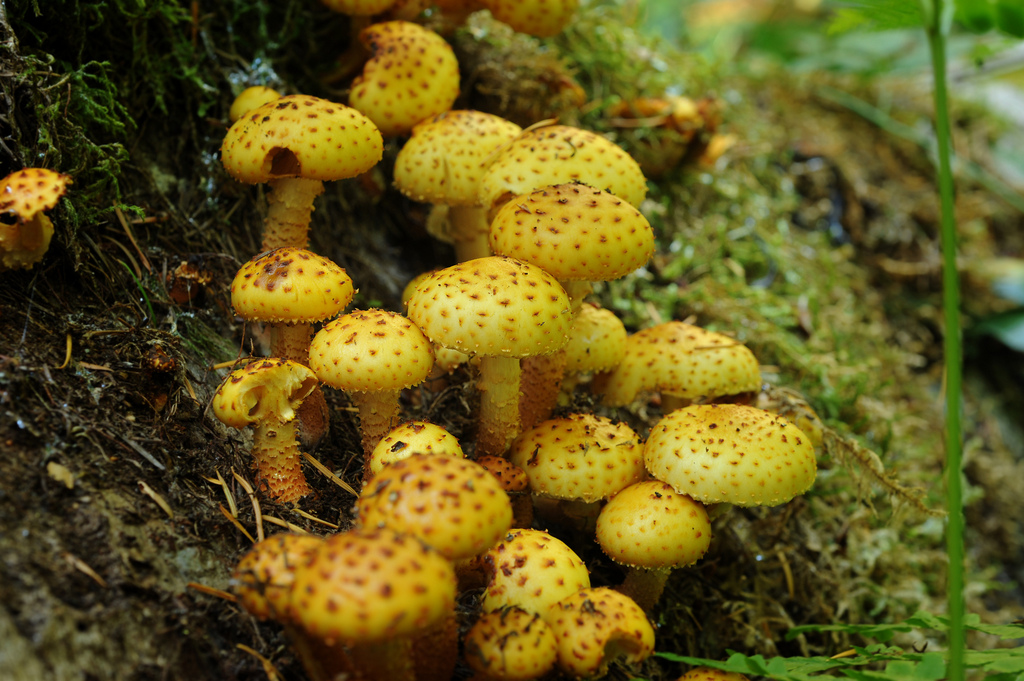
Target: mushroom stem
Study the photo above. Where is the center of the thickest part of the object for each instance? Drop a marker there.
(278, 460)
(499, 405)
(390, 660)
(541, 383)
(291, 341)
(645, 586)
(289, 209)
(379, 413)
(436, 650)
(322, 662)
(469, 232)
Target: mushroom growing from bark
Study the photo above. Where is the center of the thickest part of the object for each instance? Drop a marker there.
(25, 232)
(265, 395)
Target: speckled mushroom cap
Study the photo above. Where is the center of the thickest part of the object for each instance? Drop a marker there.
(413, 437)
(684, 360)
(24, 195)
(412, 76)
(510, 644)
(511, 477)
(251, 98)
(370, 350)
(650, 525)
(574, 232)
(290, 285)
(261, 390)
(301, 136)
(371, 586)
(596, 625)
(597, 341)
(492, 306)
(263, 578)
(532, 570)
(731, 453)
(446, 156)
(557, 154)
(580, 456)
(709, 674)
(541, 18)
(453, 504)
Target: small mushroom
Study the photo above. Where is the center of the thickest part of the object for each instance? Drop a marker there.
(510, 645)
(25, 232)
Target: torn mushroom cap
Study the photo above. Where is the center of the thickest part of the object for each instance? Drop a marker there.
(25, 232)
(453, 504)
(573, 231)
(267, 389)
(251, 98)
(301, 136)
(290, 285)
(595, 626)
(729, 453)
(494, 306)
(541, 18)
(650, 525)
(580, 456)
(412, 76)
(263, 577)
(371, 351)
(446, 156)
(532, 570)
(371, 586)
(597, 341)
(413, 437)
(682, 360)
(510, 645)
(557, 154)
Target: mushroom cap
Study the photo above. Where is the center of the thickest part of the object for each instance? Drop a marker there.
(731, 453)
(453, 504)
(290, 285)
(541, 18)
(575, 232)
(413, 437)
(597, 341)
(24, 195)
(301, 136)
(251, 98)
(446, 156)
(263, 577)
(263, 390)
(650, 525)
(371, 586)
(683, 360)
(557, 154)
(511, 477)
(412, 76)
(369, 351)
(493, 307)
(580, 456)
(710, 674)
(596, 625)
(510, 644)
(359, 8)
(532, 570)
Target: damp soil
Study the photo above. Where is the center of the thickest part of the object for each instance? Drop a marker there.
(122, 497)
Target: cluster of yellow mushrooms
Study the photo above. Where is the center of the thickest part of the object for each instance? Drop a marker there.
(535, 216)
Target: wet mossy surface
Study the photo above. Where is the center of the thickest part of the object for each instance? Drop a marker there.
(813, 241)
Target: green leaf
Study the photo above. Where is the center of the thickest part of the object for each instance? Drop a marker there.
(1010, 17)
(877, 15)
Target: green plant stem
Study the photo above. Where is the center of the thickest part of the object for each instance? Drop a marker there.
(952, 350)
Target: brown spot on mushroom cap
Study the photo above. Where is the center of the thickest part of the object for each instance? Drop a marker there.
(579, 456)
(557, 154)
(261, 390)
(575, 232)
(532, 570)
(371, 586)
(251, 98)
(446, 156)
(371, 351)
(597, 625)
(510, 644)
(290, 285)
(541, 18)
(597, 341)
(453, 504)
(511, 477)
(492, 306)
(730, 453)
(24, 195)
(412, 76)
(413, 437)
(650, 525)
(301, 136)
(684, 360)
(263, 577)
